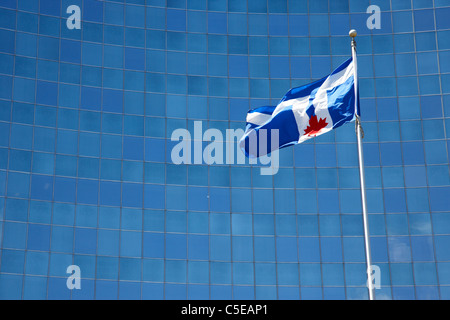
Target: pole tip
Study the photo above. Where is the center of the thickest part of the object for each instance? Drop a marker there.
(352, 33)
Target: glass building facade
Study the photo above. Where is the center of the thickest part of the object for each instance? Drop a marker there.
(86, 176)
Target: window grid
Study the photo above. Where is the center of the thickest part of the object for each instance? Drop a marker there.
(382, 186)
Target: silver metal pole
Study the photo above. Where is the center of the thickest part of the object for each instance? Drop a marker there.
(362, 181)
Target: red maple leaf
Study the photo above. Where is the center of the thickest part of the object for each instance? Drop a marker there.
(314, 127)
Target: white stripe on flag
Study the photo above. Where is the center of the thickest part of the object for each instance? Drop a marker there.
(258, 118)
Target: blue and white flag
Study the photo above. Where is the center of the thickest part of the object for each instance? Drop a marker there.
(303, 113)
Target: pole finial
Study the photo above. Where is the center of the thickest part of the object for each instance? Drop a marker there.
(352, 33)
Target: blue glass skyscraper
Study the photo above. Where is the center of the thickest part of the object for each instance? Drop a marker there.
(87, 179)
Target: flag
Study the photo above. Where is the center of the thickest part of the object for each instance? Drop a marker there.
(303, 113)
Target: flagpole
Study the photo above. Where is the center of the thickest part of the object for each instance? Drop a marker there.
(359, 135)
